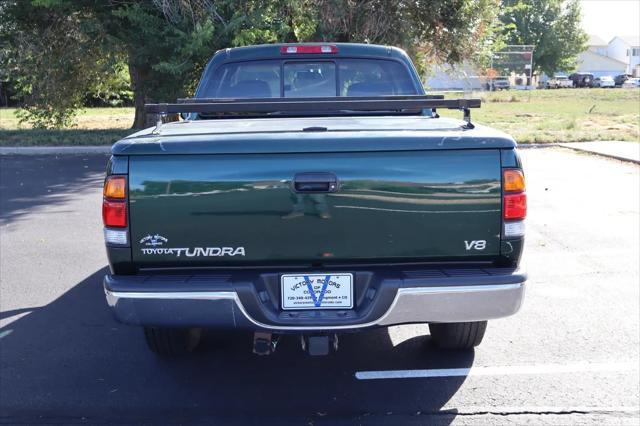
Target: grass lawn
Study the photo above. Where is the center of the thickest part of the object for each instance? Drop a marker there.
(94, 126)
(562, 115)
(538, 116)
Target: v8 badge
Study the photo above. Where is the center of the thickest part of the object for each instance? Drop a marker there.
(475, 244)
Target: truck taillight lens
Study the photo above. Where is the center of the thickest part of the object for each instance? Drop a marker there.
(515, 198)
(114, 213)
(515, 206)
(513, 228)
(115, 188)
(114, 203)
(308, 49)
(513, 180)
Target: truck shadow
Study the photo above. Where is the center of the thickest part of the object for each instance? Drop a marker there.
(27, 182)
(71, 360)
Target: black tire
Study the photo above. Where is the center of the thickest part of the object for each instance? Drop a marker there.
(172, 342)
(458, 335)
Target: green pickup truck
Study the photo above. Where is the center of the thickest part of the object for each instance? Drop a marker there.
(313, 189)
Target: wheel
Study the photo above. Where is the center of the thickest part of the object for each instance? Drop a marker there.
(458, 335)
(172, 342)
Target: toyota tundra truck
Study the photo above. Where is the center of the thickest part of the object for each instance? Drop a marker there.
(313, 190)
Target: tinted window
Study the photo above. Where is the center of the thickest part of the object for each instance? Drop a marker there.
(309, 79)
(354, 77)
(259, 79)
(368, 77)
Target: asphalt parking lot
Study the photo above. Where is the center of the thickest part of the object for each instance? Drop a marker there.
(570, 356)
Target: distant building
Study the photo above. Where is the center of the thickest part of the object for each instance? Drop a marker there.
(619, 56)
(626, 49)
(597, 45)
(600, 65)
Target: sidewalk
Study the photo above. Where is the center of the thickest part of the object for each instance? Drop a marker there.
(625, 151)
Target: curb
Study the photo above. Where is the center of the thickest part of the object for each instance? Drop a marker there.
(538, 145)
(602, 154)
(54, 150)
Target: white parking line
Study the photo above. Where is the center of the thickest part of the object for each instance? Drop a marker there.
(584, 367)
(541, 409)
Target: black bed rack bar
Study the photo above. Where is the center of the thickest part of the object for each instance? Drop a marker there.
(297, 105)
(317, 98)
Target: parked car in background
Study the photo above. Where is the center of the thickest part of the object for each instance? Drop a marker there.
(621, 78)
(582, 79)
(631, 83)
(500, 83)
(559, 82)
(605, 81)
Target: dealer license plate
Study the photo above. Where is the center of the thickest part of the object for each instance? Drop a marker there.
(317, 291)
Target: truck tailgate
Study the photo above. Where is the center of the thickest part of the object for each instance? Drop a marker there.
(208, 210)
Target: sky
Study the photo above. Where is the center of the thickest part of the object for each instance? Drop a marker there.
(610, 18)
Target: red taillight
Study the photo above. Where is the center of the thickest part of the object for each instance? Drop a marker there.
(306, 49)
(515, 198)
(114, 203)
(515, 206)
(114, 213)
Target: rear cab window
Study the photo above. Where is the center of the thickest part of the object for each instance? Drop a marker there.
(374, 77)
(309, 78)
(258, 79)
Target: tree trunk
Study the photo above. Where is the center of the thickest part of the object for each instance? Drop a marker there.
(290, 37)
(138, 76)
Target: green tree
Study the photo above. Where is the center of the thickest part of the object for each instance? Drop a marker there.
(553, 26)
(438, 31)
(166, 43)
(272, 21)
(51, 61)
(59, 50)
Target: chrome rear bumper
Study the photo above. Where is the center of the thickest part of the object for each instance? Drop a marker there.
(224, 309)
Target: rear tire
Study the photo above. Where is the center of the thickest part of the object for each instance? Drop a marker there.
(458, 335)
(172, 342)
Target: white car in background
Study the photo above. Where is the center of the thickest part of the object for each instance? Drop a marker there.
(606, 81)
(631, 83)
(559, 82)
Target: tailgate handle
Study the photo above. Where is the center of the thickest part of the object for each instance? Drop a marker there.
(314, 182)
